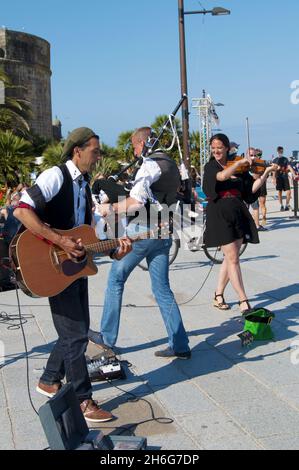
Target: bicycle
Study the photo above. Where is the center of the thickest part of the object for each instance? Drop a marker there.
(194, 243)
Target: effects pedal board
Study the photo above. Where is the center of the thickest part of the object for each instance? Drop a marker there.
(105, 369)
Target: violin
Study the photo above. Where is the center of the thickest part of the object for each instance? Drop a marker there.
(257, 167)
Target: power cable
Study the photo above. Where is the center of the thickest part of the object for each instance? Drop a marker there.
(26, 350)
(134, 398)
(14, 321)
(124, 305)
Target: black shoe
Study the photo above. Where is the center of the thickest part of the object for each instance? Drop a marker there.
(96, 337)
(262, 229)
(281, 208)
(168, 353)
(287, 208)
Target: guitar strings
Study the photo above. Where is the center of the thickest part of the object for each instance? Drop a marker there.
(105, 245)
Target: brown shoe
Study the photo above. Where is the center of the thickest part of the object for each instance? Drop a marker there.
(93, 413)
(48, 390)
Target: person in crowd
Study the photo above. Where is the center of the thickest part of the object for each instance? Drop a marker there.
(255, 206)
(262, 196)
(229, 188)
(9, 228)
(61, 198)
(233, 149)
(11, 224)
(281, 178)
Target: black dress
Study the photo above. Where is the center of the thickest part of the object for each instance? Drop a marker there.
(228, 219)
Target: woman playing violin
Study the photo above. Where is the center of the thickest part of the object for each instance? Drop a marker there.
(229, 223)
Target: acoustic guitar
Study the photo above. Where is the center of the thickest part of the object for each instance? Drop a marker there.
(45, 270)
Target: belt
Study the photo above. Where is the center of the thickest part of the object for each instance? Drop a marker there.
(229, 193)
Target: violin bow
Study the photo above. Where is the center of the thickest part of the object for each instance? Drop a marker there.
(248, 133)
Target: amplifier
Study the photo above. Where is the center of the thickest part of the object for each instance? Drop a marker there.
(66, 428)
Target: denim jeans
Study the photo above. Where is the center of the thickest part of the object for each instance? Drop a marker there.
(70, 315)
(156, 253)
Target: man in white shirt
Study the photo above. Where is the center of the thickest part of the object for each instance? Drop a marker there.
(61, 198)
(155, 184)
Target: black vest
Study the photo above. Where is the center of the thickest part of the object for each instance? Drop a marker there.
(59, 212)
(165, 189)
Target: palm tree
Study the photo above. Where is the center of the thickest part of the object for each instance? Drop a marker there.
(16, 159)
(15, 112)
(51, 156)
(167, 138)
(124, 146)
(39, 143)
(106, 167)
(109, 152)
(195, 149)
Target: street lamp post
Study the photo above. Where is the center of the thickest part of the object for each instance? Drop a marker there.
(217, 11)
(184, 86)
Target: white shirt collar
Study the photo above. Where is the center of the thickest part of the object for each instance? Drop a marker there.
(74, 170)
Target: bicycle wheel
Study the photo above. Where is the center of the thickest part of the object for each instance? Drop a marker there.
(172, 254)
(216, 255)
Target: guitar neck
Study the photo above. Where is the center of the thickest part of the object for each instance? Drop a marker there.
(103, 246)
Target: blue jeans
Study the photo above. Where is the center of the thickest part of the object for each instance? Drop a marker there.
(156, 253)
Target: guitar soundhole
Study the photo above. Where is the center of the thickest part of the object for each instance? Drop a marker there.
(69, 268)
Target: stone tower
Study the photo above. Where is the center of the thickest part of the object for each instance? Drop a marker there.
(26, 60)
(56, 126)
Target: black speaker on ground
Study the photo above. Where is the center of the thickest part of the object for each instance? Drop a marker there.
(66, 429)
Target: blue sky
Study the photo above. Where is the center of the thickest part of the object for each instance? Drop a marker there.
(115, 64)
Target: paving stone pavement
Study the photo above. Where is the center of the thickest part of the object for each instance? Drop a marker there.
(224, 397)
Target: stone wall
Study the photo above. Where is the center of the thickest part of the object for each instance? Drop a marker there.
(26, 59)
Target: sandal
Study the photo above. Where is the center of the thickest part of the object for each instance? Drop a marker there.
(221, 305)
(246, 309)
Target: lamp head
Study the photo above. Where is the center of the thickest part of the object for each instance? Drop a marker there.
(218, 11)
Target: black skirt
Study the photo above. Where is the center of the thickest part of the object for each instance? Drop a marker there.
(228, 220)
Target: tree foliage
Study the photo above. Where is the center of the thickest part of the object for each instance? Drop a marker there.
(124, 146)
(195, 149)
(51, 156)
(15, 112)
(107, 167)
(16, 159)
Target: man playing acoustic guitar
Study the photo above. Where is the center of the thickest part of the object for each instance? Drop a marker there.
(61, 198)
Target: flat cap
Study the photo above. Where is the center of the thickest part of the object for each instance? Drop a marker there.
(76, 138)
